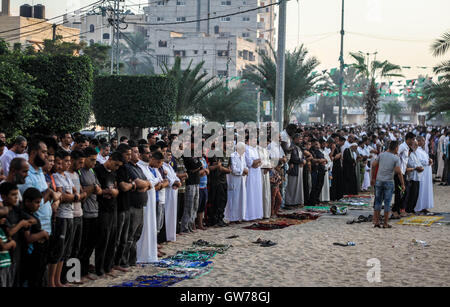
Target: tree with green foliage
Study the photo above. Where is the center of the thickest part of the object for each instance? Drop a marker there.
(299, 79)
(376, 70)
(439, 92)
(18, 96)
(225, 104)
(68, 82)
(134, 101)
(135, 54)
(192, 86)
(393, 109)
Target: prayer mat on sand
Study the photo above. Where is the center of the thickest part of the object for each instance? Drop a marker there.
(276, 224)
(202, 245)
(357, 196)
(186, 273)
(420, 220)
(351, 202)
(152, 281)
(317, 208)
(302, 215)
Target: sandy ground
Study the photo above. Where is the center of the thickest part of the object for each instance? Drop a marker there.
(305, 255)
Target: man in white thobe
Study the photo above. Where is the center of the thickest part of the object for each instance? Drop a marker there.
(254, 210)
(147, 250)
(237, 193)
(265, 168)
(171, 199)
(425, 200)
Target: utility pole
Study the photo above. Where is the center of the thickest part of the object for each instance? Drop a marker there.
(258, 109)
(228, 63)
(341, 75)
(281, 62)
(54, 31)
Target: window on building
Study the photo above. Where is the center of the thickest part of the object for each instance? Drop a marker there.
(162, 2)
(205, 52)
(262, 4)
(91, 42)
(181, 18)
(162, 44)
(225, 3)
(162, 59)
(261, 19)
(251, 57)
(216, 30)
(245, 55)
(195, 51)
(240, 54)
(159, 18)
(246, 18)
(180, 53)
(246, 34)
(92, 28)
(261, 35)
(181, 3)
(225, 19)
(222, 53)
(105, 35)
(222, 73)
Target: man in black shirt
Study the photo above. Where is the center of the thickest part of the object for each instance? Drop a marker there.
(317, 173)
(125, 185)
(219, 168)
(138, 199)
(107, 214)
(195, 170)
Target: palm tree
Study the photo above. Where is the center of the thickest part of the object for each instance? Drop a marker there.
(135, 54)
(393, 108)
(299, 83)
(439, 92)
(193, 87)
(225, 104)
(376, 70)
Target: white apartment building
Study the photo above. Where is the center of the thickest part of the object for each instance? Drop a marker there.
(95, 28)
(256, 26)
(223, 56)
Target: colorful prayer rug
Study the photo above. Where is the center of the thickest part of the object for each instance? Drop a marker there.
(152, 281)
(420, 220)
(276, 224)
(302, 215)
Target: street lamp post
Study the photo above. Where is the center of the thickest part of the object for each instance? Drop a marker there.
(341, 59)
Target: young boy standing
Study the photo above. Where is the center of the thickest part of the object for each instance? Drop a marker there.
(34, 263)
(17, 221)
(63, 231)
(5, 246)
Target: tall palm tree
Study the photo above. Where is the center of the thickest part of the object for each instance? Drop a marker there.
(135, 54)
(393, 108)
(299, 83)
(372, 72)
(192, 86)
(439, 91)
(224, 104)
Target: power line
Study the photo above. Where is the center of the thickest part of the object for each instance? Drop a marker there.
(206, 19)
(46, 20)
(388, 38)
(31, 32)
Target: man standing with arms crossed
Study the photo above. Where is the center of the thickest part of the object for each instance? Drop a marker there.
(388, 163)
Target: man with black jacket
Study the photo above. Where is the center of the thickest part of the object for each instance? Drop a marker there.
(317, 173)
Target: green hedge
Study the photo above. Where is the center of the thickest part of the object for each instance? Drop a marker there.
(68, 82)
(134, 101)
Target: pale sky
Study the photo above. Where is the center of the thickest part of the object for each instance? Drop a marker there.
(400, 30)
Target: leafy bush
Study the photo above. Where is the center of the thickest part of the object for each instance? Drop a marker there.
(134, 101)
(68, 82)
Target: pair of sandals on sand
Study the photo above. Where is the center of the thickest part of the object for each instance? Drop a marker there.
(264, 243)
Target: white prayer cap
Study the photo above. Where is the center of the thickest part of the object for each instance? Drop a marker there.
(429, 129)
(240, 147)
(382, 130)
(353, 144)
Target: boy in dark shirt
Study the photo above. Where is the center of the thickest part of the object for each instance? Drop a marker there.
(6, 245)
(107, 214)
(35, 260)
(17, 220)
